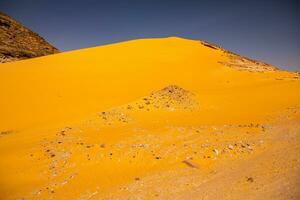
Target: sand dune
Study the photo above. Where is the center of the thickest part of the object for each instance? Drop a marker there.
(163, 118)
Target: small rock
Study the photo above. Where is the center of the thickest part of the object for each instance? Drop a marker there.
(250, 179)
(190, 164)
(216, 151)
(250, 148)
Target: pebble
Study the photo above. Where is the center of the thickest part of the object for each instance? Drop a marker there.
(216, 151)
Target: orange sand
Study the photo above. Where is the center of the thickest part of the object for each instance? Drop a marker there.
(148, 119)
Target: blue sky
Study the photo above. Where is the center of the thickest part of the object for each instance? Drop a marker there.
(266, 30)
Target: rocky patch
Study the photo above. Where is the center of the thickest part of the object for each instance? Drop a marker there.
(18, 42)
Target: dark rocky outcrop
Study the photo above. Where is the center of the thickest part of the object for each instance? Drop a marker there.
(18, 42)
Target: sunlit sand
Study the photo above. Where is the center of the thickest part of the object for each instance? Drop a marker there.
(166, 118)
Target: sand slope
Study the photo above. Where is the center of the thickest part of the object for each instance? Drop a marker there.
(149, 119)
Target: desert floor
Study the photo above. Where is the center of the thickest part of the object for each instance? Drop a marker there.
(149, 119)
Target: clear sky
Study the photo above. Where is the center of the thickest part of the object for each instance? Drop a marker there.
(267, 30)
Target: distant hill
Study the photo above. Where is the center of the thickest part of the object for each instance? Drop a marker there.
(18, 42)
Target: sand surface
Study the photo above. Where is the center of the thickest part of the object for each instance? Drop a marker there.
(149, 119)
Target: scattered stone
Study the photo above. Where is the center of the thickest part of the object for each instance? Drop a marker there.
(102, 145)
(250, 179)
(216, 151)
(249, 147)
(5, 132)
(191, 164)
(141, 107)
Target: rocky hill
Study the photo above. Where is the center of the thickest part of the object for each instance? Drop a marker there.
(18, 42)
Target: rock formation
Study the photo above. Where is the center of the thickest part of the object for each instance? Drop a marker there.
(18, 42)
